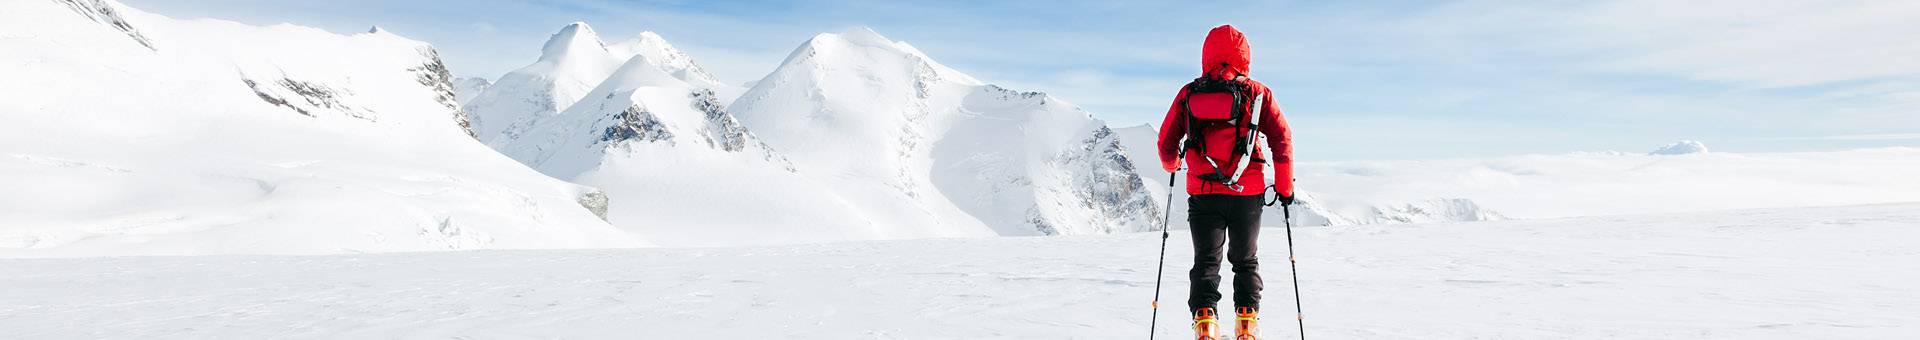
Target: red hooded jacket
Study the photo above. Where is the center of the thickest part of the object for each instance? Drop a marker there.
(1226, 55)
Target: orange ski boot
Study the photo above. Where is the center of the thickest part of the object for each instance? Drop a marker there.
(1245, 323)
(1204, 324)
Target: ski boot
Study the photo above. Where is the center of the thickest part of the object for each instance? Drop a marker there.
(1245, 323)
(1204, 323)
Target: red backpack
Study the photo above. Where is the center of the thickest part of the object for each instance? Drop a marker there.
(1243, 118)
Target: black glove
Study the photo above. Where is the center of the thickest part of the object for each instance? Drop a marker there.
(1284, 199)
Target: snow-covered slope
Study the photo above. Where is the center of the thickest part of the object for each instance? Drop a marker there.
(915, 143)
(1804, 273)
(125, 132)
(572, 63)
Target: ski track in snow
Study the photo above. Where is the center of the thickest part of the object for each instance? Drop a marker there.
(1803, 273)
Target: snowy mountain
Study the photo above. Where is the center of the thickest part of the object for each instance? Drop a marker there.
(665, 57)
(1685, 147)
(465, 89)
(126, 132)
(679, 169)
(572, 63)
(916, 143)
(654, 134)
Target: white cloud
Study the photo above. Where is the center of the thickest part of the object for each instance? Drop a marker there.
(1748, 44)
(1760, 43)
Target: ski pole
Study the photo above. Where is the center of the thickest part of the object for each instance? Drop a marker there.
(1153, 325)
(1293, 265)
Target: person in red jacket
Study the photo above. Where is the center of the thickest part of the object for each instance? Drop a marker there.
(1216, 126)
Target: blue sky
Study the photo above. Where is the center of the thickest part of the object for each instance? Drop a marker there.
(1374, 80)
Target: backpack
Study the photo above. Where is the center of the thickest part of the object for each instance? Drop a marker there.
(1246, 126)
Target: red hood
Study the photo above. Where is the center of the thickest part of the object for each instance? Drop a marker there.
(1225, 48)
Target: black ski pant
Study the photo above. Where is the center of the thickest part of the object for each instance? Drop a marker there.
(1232, 224)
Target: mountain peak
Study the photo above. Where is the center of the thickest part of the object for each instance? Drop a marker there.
(863, 48)
(640, 71)
(650, 38)
(862, 35)
(572, 39)
(644, 43)
(663, 55)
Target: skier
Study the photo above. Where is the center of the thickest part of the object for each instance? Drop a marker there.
(1222, 117)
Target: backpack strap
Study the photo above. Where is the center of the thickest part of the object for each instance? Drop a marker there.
(1251, 138)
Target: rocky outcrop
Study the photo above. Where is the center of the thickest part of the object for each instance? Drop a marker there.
(305, 97)
(433, 74)
(103, 12)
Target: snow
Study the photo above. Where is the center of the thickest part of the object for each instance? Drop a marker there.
(1549, 186)
(223, 138)
(347, 186)
(1575, 184)
(1802, 273)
